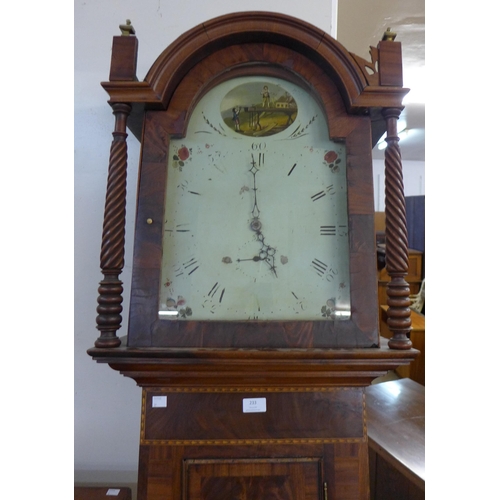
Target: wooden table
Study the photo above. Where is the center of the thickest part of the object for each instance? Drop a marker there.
(102, 493)
(396, 439)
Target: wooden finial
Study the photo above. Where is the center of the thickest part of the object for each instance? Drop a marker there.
(389, 36)
(127, 29)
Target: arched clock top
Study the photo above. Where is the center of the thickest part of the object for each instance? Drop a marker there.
(256, 59)
(260, 27)
(231, 41)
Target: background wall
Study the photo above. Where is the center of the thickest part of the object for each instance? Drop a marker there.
(106, 404)
(414, 181)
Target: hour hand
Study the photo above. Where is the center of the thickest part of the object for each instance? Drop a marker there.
(255, 259)
(264, 256)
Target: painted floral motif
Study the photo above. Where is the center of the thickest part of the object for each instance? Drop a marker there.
(332, 160)
(174, 305)
(302, 130)
(331, 156)
(181, 156)
(207, 121)
(183, 153)
(328, 310)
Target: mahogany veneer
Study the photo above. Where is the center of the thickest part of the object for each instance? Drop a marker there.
(396, 436)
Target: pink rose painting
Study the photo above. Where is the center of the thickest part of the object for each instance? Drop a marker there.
(331, 156)
(182, 155)
(332, 160)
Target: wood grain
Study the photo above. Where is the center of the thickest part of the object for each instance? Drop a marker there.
(396, 426)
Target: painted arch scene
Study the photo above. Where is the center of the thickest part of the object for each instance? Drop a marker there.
(258, 109)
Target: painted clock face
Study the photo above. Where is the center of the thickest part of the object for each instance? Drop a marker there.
(255, 224)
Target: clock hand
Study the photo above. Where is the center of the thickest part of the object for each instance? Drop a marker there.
(266, 252)
(255, 209)
(255, 259)
(266, 255)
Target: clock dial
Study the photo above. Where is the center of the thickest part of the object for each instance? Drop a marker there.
(256, 222)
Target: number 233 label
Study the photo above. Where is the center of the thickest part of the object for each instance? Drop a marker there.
(254, 405)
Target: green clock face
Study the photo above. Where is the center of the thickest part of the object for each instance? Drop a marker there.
(255, 224)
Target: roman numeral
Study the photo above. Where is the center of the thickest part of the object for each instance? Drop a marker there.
(187, 266)
(291, 170)
(179, 228)
(184, 187)
(319, 267)
(213, 291)
(317, 196)
(327, 190)
(328, 230)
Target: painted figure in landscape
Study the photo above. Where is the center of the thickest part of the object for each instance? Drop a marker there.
(236, 119)
(266, 97)
(248, 109)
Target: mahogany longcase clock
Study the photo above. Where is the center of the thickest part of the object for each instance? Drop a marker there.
(253, 321)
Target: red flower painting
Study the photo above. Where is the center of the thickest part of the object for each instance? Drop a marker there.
(183, 153)
(331, 156)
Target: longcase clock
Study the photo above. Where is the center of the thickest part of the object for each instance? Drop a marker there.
(253, 323)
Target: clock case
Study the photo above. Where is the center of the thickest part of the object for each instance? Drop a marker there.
(312, 439)
(353, 93)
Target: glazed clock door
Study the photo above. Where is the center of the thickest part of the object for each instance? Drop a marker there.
(254, 229)
(255, 224)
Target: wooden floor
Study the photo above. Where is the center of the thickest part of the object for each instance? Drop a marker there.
(102, 493)
(105, 492)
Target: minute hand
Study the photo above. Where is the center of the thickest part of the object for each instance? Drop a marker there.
(266, 252)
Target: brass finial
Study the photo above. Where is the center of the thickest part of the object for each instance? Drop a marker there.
(127, 29)
(389, 35)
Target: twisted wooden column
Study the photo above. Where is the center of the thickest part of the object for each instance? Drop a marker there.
(398, 290)
(113, 235)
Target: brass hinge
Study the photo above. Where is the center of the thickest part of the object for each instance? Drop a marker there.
(325, 491)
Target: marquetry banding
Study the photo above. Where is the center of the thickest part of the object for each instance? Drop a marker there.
(252, 442)
(241, 389)
(365, 426)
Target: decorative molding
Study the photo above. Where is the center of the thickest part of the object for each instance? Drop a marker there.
(369, 69)
(247, 442)
(241, 389)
